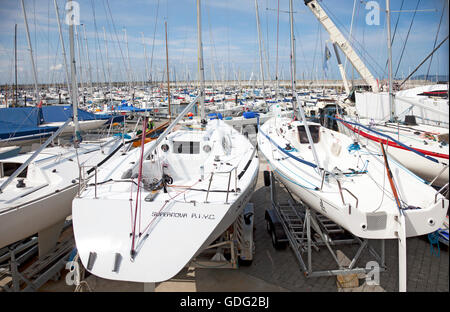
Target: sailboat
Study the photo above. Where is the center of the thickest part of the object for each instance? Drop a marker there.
(358, 187)
(155, 208)
(393, 121)
(37, 188)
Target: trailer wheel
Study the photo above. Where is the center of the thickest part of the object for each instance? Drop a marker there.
(244, 262)
(267, 178)
(276, 243)
(268, 226)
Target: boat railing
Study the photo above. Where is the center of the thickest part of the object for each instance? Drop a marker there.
(82, 179)
(441, 191)
(230, 173)
(439, 174)
(342, 196)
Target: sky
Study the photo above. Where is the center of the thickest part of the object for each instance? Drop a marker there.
(230, 39)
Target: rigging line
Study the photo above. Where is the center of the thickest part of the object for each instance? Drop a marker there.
(118, 42)
(153, 42)
(351, 29)
(435, 40)
(98, 41)
(166, 202)
(407, 36)
(96, 47)
(278, 35)
(355, 44)
(395, 31)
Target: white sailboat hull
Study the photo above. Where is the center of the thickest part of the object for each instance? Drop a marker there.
(425, 168)
(172, 225)
(362, 203)
(20, 222)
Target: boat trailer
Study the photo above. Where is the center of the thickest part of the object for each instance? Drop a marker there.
(295, 224)
(18, 275)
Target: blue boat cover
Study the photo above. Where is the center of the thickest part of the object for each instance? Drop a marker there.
(215, 116)
(20, 121)
(248, 115)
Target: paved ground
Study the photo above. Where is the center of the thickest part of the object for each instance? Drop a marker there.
(278, 270)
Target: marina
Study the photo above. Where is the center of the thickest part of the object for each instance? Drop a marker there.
(209, 184)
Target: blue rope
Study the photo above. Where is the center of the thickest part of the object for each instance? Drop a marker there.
(434, 240)
(353, 147)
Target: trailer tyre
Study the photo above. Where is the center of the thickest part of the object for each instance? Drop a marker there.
(268, 226)
(276, 243)
(244, 262)
(267, 178)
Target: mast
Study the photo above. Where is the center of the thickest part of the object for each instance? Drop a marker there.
(167, 67)
(261, 67)
(15, 62)
(278, 32)
(145, 57)
(89, 62)
(74, 94)
(62, 45)
(388, 21)
(201, 69)
(293, 67)
(107, 65)
(79, 58)
(129, 64)
(31, 55)
(341, 69)
(294, 93)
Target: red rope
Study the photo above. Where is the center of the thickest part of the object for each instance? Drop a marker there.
(166, 204)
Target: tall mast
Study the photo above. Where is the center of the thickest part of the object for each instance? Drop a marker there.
(15, 62)
(278, 32)
(107, 65)
(31, 55)
(74, 94)
(388, 21)
(201, 70)
(89, 61)
(261, 67)
(128, 58)
(145, 57)
(62, 45)
(79, 58)
(294, 93)
(167, 67)
(291, 19)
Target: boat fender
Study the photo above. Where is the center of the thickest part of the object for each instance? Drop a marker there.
(335, 148)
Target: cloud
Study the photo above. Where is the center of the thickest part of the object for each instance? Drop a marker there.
(56, 67)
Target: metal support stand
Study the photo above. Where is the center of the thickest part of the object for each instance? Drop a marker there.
(39, 272)
(233, 248)
(293, 222)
